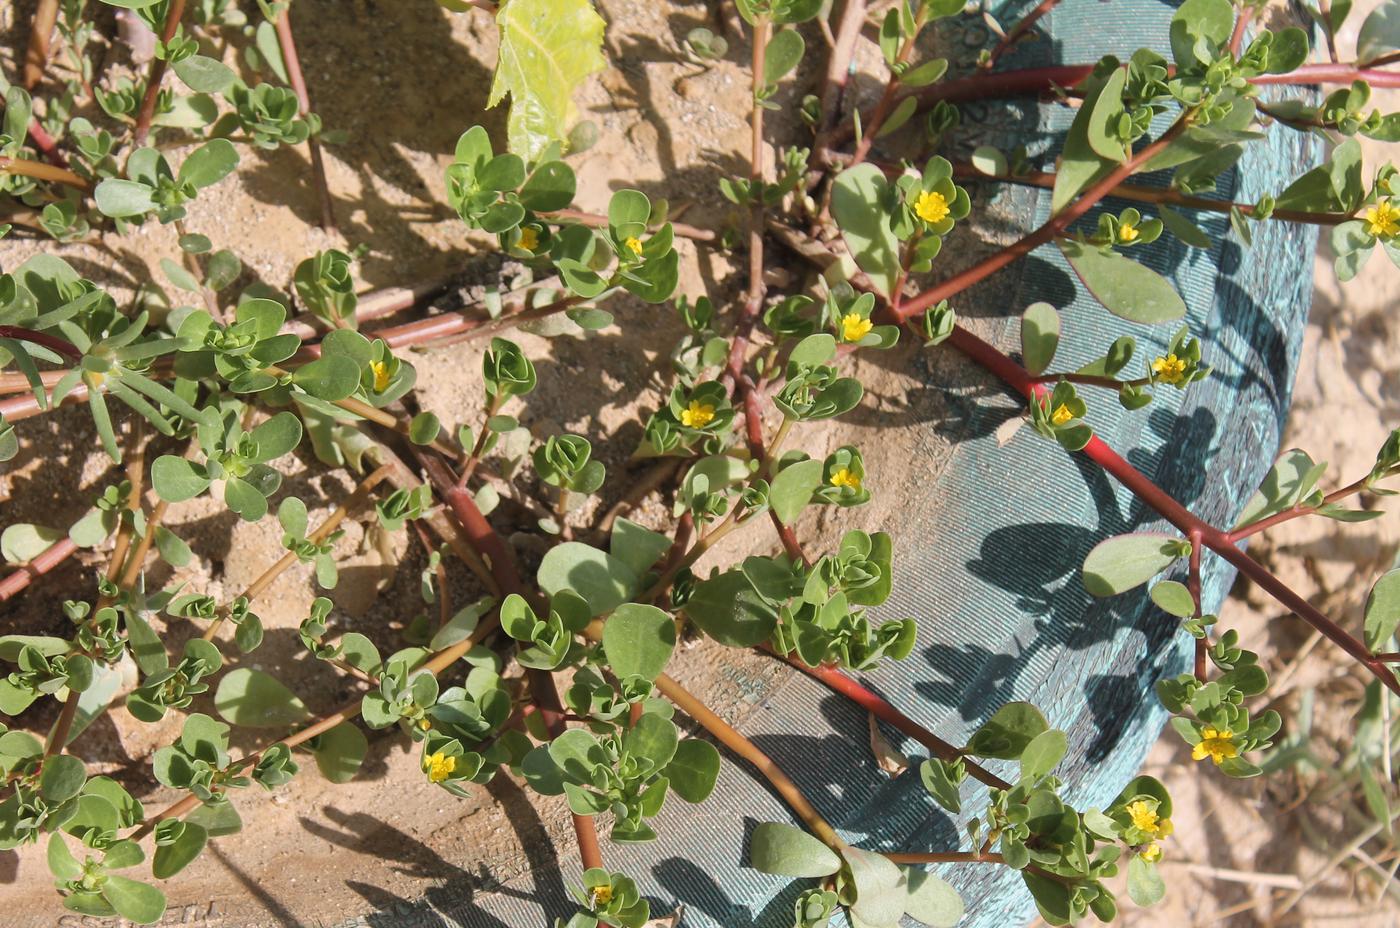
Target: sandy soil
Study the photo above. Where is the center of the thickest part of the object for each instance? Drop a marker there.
(670, 128)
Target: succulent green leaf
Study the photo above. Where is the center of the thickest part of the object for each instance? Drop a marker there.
(638, 640)
(258, 700)
(731, 611)
(1118, 564)
(604, 581)
(547, 48)
(340, 751)
(860, 200)
(1040, 336)
(787, 851)
(1008, 732)
(1126, 288)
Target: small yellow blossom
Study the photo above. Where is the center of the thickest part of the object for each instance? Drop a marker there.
(845, 477)
(1152, 853)
(635, 244)
(1217, 744)
(1061, 415)
(854, 327)
(440, 766)
(1383, 220)
(602, 895)
(425, 724)
(381, 375)
(1144, 816)
(529, 239)
(1128, 232)
(1169, 369)
(697, 415)
(931, 207)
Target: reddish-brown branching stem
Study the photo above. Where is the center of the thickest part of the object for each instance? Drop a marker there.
(313, 145)
(147, 112)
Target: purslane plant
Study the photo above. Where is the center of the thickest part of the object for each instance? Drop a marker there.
(216, 391)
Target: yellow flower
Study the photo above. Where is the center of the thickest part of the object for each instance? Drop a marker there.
(425, 724)
(602, 895)
(1152, 853)
(529, 239)
(1128, 232)
(1169, 369)
(440, 766)
(854, 327)
(635, 244)
(1383, 220)
(1217, 744)
(1061, 415)
(1144, 816)
(381, 375)
(698, 415)
(931, 207)
(845, 477)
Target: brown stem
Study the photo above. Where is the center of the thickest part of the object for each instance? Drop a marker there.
(596, 221)
(147, 112)
(135, 473)
(435, 665)
(885, 712)
(746, 749)
(1167, 507)
(1036, 81)
(838, 66)
(886, 102)
(211, 300)
(45, 172)
(53, 343)
(313, 145)
(40, 38)
(1156, 195)
(1056, 226)
(20, 579)
(1017, 31)
(1193, 585)
(321, 533)
(1294, 512)
(946, 857)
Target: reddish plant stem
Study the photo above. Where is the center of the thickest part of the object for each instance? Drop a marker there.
(20, 579)
(147, 112)
(1294, 512)
(885, 712)
(1213, 538)
(1035, 81)
(498, 556)
(1056, 226)
(1017, 31)
(135, 473)
(1193, 585)
(753, 432)
(838, 67)
(313, 146)
(1153, 195)
(51, 342)
(1237, 37)
(40, 39)
(886, 103)
(46, 144)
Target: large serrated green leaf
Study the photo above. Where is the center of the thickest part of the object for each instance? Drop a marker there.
(547, 48)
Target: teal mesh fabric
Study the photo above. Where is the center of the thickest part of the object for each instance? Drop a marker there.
(1012, 619)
